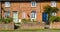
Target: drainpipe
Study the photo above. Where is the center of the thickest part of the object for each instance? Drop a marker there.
(0, 9)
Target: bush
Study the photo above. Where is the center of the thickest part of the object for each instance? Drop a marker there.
(26, 20)
(9, 20)
(0, 20)
(29, 20)
(57, 19)
(54, 19)
(6, 20)
(23, 20)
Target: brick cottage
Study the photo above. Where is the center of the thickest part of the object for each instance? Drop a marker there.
(24, 9)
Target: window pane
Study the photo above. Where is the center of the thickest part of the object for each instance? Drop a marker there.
(23, 15)
(53, 4)
(33, 3)
(53, 14)
(6, 14)
(33, 15)
(7, 4)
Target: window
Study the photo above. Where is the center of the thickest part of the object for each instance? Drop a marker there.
(33, 15)
(53, 4)
(23, 15)
(7, 4)
(53, 14)
(33, 4)
(6, 14)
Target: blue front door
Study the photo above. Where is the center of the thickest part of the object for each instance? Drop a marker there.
(44, 16)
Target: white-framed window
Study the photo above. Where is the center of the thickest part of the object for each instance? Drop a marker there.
(53, 13)
(33, 4)
(33, 15)
(7, 4)
(6, 14)
(23, 15)
(53, 4)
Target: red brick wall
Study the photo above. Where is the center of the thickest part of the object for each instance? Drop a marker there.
(26, 7)
(9, 26)
(55, 25)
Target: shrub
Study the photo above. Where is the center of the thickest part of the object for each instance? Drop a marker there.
(54, 19)
(57, 19)
(0, 19)
(6, 20)
(23, 20)
(9, 20)
(26, 20)
(3, 20)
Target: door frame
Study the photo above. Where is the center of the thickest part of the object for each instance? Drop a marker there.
(13, 16)
(45, 18)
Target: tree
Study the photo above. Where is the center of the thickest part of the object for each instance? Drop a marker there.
(48, 9)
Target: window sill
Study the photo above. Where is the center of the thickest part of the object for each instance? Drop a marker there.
(33, 18)
(7, 6)
(33, 6)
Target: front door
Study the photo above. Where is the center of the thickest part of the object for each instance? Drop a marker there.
(15, 17)
(44, 16)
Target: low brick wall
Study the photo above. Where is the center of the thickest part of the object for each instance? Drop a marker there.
(55, 25)
(9, 26)
(32, 26)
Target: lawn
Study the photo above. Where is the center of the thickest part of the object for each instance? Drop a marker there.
(30, 30)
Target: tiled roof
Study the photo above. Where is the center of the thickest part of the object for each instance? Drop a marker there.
(29, 0)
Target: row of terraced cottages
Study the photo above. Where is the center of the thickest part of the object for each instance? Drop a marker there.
(24, 9)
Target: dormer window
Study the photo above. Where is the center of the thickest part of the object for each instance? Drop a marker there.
(33, 4)
(53, 4)
(7, 4)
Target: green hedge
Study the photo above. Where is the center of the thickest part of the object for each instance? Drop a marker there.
(54, 19)
(6, 20)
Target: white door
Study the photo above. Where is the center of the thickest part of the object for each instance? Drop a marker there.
(15, 17)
